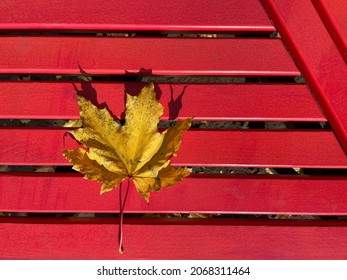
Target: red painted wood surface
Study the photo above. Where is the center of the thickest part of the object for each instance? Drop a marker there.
(333, 15)
(316, 55)
(255, 102)
(224, 194)
(134, 15)
(177, 239)
(243, 148)
(31, 238)
(145, 56)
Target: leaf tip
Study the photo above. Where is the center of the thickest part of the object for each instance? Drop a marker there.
(105, 188)
(150, 85)
(145, 195)
(66, 154)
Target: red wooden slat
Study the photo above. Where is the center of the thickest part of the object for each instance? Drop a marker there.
(257, 102)
(145, 239)
(333, 15)
(146, 56)
(257, 148)
(316, 55)
(296, 195)
(132, 15)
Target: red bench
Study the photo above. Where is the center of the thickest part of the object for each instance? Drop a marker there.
(43, 40)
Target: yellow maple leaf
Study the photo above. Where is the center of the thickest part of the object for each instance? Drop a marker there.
(135, 150)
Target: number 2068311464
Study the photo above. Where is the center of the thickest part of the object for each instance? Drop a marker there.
(235, 271)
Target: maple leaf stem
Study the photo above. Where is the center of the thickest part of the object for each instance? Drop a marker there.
(122, 205)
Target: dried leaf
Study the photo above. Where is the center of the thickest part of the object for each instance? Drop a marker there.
(73, 123)
(135, 150)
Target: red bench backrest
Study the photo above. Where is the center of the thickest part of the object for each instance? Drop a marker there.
(63, 42)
